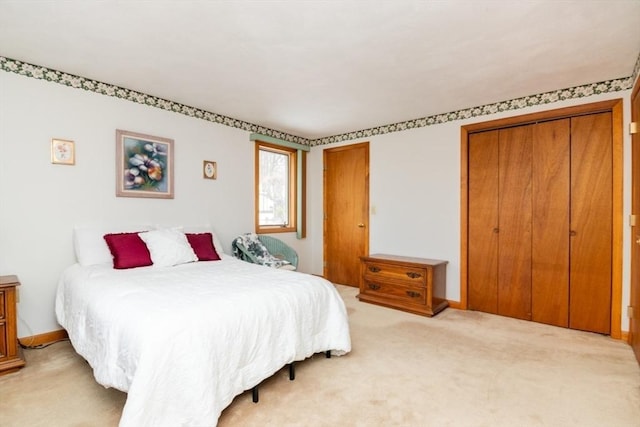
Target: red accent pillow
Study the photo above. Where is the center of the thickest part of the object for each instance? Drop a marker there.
(202, 245)
(128, 250)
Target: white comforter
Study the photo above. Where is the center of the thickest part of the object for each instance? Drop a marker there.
(183, 341)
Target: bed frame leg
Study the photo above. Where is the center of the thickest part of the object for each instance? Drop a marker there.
(328, 354)
(254, 394)
(292, 371)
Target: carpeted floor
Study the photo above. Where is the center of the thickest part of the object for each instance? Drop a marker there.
(460, 368)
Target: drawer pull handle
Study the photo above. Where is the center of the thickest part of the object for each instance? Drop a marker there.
(374, 286)
(413, 294)
(413, 275)
(374, 269)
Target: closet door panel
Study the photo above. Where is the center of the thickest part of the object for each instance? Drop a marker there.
(514, 213)
(591, 223)
(550, 228)
(482, 252)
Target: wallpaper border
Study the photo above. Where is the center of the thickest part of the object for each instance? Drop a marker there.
(607, 86)
(78, 82)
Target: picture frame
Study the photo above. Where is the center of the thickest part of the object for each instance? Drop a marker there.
(63, 152)
(209, 169)
(144, 165)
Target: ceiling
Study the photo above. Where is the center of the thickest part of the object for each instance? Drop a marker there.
(319, 68)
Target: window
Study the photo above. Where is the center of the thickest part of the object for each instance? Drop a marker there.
(276, 176)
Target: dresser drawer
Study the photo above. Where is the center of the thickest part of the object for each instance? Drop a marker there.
(415, 285)
(3, 342)
(2, 313)
(396, 292)
(397, 273)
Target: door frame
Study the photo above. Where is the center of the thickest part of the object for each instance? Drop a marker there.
(634, 286)
(615, 107)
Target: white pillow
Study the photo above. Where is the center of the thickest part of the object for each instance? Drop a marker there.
(199, 229)
(90, 246)
(168, 247)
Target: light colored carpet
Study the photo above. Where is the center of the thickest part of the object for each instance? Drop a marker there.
(460, 368)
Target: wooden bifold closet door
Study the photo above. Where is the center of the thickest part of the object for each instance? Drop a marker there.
(540, 222)
(551, 232)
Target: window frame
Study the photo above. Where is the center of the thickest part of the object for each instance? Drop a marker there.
(293, 188)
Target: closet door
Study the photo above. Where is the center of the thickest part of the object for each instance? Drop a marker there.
(482, 247)
(591, 222)
(550, 232)
(514, 213)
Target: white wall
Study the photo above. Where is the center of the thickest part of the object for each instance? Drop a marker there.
(41, 202)
(414, 186)
(415, 193)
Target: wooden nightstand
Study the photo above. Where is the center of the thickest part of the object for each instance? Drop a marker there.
(416, 285)
(10, 351)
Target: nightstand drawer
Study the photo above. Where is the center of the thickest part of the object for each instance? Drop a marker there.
(10, 351)
(405, 294)
(415, 276)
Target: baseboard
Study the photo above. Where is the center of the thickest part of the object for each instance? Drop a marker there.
(624, 336)
(42, 339)
(455, 304)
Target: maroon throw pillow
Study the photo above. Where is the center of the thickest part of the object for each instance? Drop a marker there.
(128, 250)
(202, 245)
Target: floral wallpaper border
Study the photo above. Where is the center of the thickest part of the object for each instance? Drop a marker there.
(43, 73)
(497, 107)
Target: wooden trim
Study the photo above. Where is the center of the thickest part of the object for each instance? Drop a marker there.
(256, 186)
(618, 177)
(303, 203)
(464, 218)
(42, 339)
(293, 191)
(457, 305)
(615, 107)
(578, 110)
(625, 336)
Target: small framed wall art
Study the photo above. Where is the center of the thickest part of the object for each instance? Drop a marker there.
(144, 165)
(209, 169)
(63, 152)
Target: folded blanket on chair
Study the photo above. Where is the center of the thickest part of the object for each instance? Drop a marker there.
(251, 245)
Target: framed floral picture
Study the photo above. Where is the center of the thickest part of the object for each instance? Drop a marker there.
(63, 152)
(144, 165)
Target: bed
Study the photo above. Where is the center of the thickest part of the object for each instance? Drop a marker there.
(183, 340)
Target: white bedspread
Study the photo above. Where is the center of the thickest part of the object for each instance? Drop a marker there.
(183, 341)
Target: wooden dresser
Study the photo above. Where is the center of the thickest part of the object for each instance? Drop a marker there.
(10, 351)
(416, 285)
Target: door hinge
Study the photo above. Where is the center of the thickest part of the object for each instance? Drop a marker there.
(632, 220)
(633, 128)
(630, 312)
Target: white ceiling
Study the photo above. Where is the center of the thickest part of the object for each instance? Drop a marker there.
(319, 68)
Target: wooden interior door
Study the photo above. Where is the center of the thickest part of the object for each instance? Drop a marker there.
(514, 214)
(550, 228)
(591, 222)
(634, 323)
(346, 212)
(482, 247)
